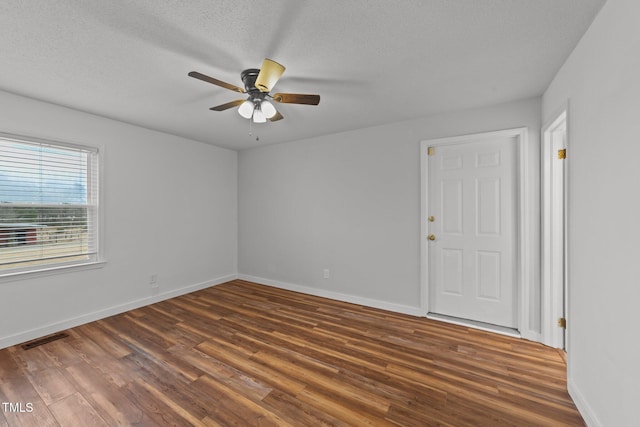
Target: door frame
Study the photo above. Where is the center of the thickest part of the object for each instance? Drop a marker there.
(524, 237)
(555, 294)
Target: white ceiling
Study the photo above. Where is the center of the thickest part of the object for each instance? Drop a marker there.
(372, 61)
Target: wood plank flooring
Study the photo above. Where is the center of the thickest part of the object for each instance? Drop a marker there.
(243, 354)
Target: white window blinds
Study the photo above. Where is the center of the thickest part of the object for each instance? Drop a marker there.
(48, 204)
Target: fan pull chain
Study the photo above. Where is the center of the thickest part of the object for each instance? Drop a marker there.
(250, 130)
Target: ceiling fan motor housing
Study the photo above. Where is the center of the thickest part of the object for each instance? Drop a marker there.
(249, 77)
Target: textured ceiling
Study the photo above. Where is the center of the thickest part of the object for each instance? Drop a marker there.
(372, 61)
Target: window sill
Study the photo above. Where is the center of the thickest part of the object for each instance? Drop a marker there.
(48, 271)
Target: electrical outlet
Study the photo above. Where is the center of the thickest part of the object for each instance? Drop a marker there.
(326, 273)
(153, 279)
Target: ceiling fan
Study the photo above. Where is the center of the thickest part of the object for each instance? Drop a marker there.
(258, 84)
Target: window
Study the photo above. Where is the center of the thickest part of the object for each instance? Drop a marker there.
(48, 204)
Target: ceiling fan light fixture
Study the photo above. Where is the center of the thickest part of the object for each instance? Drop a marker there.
(246, 109)
(268, 109)
(258, 116)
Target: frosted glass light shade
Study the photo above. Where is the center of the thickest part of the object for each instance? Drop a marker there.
(268, 109)
(258, 116)
(246, 109)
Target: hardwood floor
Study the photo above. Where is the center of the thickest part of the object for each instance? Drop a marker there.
(243, 354)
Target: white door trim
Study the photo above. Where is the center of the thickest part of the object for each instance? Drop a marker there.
(524, 234)
(553, 254)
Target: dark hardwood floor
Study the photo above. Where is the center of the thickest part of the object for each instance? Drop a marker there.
(243, 354)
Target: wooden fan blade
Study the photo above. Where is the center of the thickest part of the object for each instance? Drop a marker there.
(296, 98)
(228, 105)
(277, 117)
(216, 82)
(268, 76)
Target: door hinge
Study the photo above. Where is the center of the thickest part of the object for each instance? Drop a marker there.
(562, 323)
(430, 151)
(562, 154)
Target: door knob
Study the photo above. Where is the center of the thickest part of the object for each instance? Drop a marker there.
(432, 237)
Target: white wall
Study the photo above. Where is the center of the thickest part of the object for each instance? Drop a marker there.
(601, 81)
(170, 209)
(350, 203)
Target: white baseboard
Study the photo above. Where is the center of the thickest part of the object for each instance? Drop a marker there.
(397, 308)
(583, 406)
(110, 311)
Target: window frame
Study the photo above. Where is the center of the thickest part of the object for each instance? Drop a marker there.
(93, 200)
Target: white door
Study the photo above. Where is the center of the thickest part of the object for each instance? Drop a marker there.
(554, 273)
(472, 220)
(558, 231)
